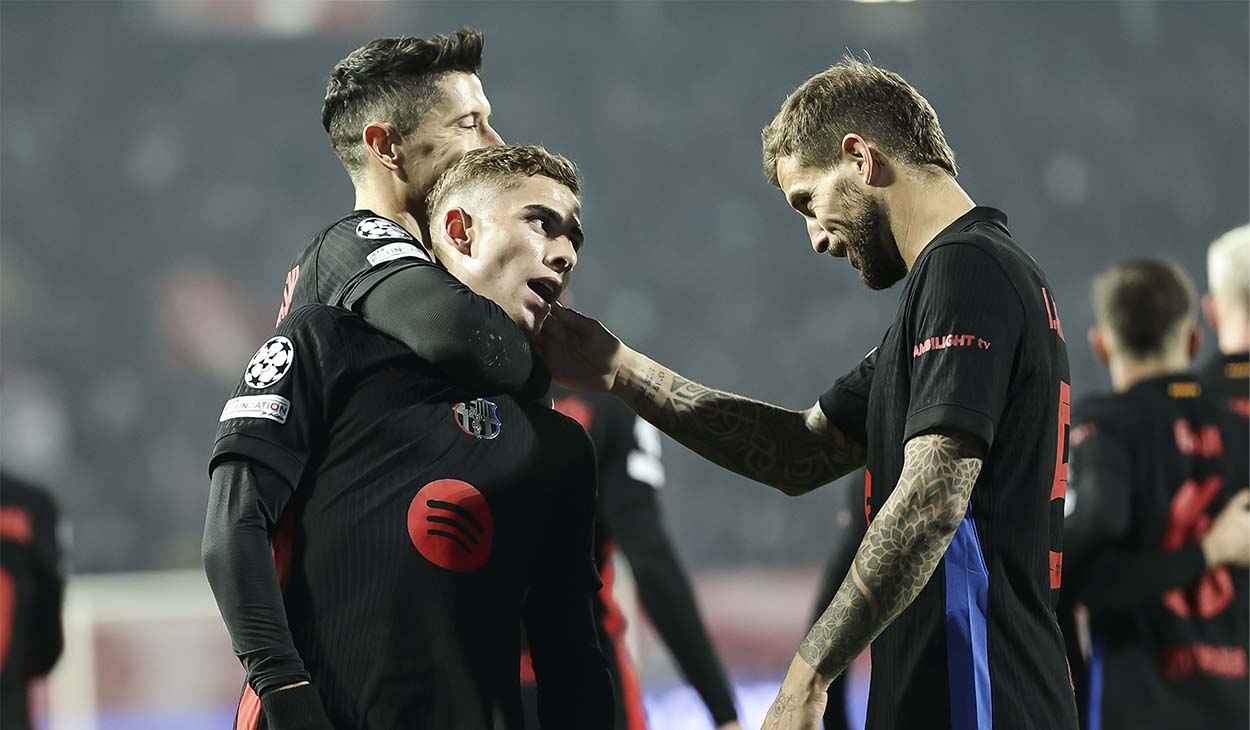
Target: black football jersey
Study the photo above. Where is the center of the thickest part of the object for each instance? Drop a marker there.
(977, 348)
(1167, 633)
(31, 588)
(349, 247)
(424, 523)
(1226, 380)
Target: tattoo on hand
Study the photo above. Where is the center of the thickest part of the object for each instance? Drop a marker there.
(900, 550)
(757, 440)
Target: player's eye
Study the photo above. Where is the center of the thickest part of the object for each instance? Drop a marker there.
(540, 221)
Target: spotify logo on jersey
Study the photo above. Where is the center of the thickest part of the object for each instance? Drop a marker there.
(450, 524)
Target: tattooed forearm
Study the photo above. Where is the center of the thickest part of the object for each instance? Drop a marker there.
(900, 550)
(790, 450)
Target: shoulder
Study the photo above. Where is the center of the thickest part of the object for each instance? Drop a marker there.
(1104, 414)
(378, 239)
(16, 492)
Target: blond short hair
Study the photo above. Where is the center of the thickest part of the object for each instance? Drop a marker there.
(495, 169)
(856, 97)
(1228, 267)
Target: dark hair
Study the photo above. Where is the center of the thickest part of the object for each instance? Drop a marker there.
(391, 80)
(1142, 302)
(499, 167)
(857, 97)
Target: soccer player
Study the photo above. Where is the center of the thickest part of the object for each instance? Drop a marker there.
(415, 526)
(31, 590)
(1227, 309)
(1157, 536)
(400, 111)
(629, 517)
(962, 411)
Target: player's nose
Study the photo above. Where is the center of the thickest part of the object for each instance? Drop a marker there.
(818, 236)
(561, 255)
(491, 138)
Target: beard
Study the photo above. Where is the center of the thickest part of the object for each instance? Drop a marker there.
(869, 240)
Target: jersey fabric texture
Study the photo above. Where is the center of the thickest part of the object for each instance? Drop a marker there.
(1226, 380)
(629, 518)
(975, 348)
(420, 528)
(31, 589)
(1168, 634)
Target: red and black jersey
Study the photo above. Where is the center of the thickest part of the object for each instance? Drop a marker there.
(31, 589)
(975, 348)
(629, 518)
(1168, 634)
(416, 528)
(1226, 380)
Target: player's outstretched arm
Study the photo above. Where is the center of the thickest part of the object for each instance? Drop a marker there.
(466, 335)
(900, 551)
(792, 451)
(244, 502)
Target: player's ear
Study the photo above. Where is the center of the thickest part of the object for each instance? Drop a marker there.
(380, 141)
(867, 164)
(1210, 313)
(1098, 344)
(458, 226)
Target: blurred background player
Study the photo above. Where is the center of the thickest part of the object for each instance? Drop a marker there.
(1227, 308)
(31, 590)
(400, 111)
(415, 527)
(1157, 535)
(629, 518)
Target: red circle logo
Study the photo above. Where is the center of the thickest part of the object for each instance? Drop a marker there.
(450, 524)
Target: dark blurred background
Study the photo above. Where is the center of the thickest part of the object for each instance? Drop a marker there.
(164, 162)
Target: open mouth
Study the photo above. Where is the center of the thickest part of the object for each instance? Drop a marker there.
(545, 290)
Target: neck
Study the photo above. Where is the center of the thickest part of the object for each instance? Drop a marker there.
(393, 203)
(1127, 372)
(920, 206)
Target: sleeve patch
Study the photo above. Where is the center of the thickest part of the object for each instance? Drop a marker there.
(392, 251)
(270, 363)
(271, 407)
(381, 228)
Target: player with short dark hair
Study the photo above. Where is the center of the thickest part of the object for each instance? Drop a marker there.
(969, 387)
(32, 587)
(1157, 532)
(415, 525)
(400, 111)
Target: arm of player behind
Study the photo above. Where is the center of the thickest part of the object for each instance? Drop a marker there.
(668, 599)
(574, 685)
(245, 501)
(1101, 572)
(450, 326)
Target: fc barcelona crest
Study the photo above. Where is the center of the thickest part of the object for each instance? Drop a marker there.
(478, 418)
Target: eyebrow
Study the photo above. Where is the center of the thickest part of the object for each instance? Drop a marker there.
(550, 212)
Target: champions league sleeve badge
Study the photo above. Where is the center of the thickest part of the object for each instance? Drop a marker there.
(380, 228)
(270, 363)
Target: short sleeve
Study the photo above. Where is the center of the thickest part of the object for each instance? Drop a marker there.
(1098, 505)
(277, 414)
(964, 323)
(845, 404)
(352, 291)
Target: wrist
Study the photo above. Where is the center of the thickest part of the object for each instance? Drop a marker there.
(627, 372)
(803, 677)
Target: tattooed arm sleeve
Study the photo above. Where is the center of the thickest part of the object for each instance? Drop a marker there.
(793, 451)
(900, 551)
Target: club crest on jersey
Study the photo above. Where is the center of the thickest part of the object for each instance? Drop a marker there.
(270, 363)
(479, 418)
(380, 228)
